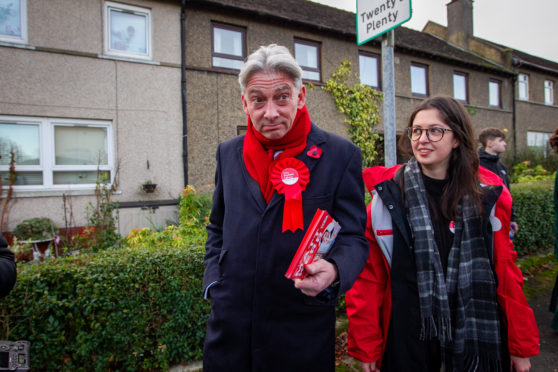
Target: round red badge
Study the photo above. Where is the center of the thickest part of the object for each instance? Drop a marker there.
(289, 176)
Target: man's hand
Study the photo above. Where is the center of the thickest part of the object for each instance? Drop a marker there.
(320, 275)
(369, 367)
(514, 226)
(519, 364)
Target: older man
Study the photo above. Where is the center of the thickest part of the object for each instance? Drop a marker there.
(260, 320)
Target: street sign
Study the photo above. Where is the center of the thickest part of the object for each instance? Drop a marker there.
(376, 17)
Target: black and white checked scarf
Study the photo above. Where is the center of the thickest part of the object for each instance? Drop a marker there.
(460, 310)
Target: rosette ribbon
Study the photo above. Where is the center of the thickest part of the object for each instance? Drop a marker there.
(290, 177)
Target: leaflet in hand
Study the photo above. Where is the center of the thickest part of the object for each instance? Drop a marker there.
(316, 243)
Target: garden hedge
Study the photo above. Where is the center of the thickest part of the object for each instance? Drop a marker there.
(127, 309)
(533, 204)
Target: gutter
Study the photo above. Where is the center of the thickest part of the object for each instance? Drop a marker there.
(183, 89)
(514, 116)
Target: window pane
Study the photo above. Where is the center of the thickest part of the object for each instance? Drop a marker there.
(23, 139)
(10, 18)
(306, 55)
(459, 87)
(227, 42)
(494, 93)
(80, 145)
(537, 139)
(418, 80)
(549, 92)
(310, 75)
(128, 32)
(227, 63)
(368, 69)
(74, 178)
(23, 178)
(523, 86)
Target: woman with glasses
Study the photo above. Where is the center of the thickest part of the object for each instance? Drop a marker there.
(440, 290)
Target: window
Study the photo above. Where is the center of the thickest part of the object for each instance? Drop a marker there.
(369, 69)
(127, 31)
(241, 129)
(13, 21)
(548, 92)
(538, 140)
(495, 93)
(419, 80)
(460, 91)
(307, 54)
(523, 87)
(228, 46)
(51, 153)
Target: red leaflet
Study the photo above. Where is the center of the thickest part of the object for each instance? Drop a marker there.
(316, 243)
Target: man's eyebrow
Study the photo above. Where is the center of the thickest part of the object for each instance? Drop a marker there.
(283, 88)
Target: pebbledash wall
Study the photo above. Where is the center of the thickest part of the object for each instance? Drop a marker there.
(63, 72)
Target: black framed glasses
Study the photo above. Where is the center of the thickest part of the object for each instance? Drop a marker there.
(433, 134)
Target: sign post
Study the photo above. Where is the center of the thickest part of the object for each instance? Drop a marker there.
(375, 18)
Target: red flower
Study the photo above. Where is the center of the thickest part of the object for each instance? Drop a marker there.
(314, 152)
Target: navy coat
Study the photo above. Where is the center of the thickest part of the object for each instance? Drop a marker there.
(259, 321)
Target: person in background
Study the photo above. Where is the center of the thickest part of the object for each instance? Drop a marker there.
(553, 141)
(8, 272)
(268, 185)
(440, 289)
(493, 142)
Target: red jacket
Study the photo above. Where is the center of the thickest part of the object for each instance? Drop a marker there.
(369, 300)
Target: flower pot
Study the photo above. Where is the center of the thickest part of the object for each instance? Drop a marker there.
(149, 187)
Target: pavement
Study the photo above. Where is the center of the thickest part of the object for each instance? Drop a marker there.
(547, 360)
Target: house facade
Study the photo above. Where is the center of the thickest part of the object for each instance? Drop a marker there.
(143, 90)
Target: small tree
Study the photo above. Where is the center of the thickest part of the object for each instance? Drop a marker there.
(102, 231)
(6, 201)
(359, 103)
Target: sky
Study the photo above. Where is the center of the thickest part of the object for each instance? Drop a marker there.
(526, 25)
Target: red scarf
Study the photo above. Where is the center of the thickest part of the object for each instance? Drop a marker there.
(258, 151)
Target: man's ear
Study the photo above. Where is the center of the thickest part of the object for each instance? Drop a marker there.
(245, 105)
(301, 97)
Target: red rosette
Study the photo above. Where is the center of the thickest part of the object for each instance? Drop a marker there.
(290, 177)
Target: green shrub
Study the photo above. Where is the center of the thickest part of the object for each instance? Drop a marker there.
(40, 228)
(524, 172)
(534, 208)
(129, 309)
(546, 158)
(194, 212)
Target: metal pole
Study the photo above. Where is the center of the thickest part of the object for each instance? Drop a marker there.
(388, 78)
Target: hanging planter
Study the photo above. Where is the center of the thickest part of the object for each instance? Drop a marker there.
(149, 187)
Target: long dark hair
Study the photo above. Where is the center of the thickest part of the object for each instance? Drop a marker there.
(464, 159)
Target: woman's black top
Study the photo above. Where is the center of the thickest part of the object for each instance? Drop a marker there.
(441, 225)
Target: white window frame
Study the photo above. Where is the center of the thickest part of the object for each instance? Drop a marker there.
(497, 84)
(457, 76)
(23, 22)
(523, 87)
(131, 10)
(47, 153)
(549, 92)
(235, 61)
(308, 71)
(362, 74)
